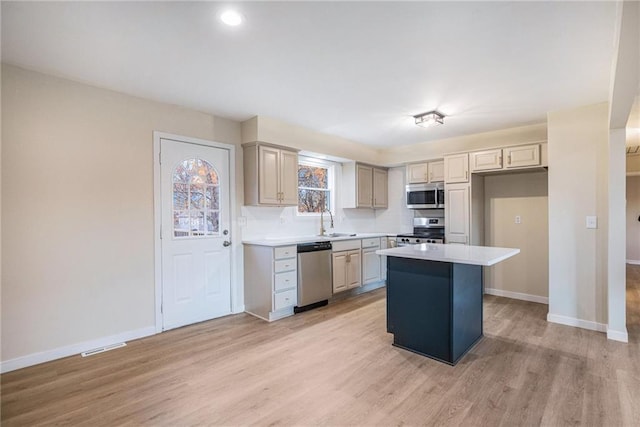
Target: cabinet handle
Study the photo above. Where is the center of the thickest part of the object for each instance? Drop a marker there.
(431, 177)
(466, 175)
(509, 159)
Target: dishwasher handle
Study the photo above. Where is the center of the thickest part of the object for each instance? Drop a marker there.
(314, 247)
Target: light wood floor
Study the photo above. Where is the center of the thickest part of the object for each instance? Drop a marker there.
(336, 366)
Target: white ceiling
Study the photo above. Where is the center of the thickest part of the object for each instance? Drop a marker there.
(358, 70)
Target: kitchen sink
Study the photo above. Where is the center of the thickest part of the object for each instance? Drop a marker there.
(340, 235)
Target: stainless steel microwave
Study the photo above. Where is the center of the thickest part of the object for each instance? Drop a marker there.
(425, 196)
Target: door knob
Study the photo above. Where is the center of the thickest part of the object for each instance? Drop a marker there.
(226, 243)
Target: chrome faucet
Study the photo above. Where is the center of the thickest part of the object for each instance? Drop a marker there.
(323, 232)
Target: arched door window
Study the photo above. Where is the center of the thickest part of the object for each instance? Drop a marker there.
(196, 199)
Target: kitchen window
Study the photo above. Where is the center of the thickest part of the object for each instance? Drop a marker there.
(315, 186)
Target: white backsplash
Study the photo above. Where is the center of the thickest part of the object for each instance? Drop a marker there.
(274, 222)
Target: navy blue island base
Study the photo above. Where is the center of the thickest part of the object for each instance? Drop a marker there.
(434, 308)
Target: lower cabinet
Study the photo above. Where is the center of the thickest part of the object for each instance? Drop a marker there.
(270, 281)
(371, 262)
(355, 263)
(346, 270)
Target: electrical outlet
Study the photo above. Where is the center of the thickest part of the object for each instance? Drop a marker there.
(518, 219)
(283, 220)
(592, 222)
(242, 221)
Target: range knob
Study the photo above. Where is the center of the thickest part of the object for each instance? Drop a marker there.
(417, 240)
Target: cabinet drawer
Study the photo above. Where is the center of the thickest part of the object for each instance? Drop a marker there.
(285, 252)
(285, 281)
(285, 299)
(285, 265)
(345, 245)
(373, 242)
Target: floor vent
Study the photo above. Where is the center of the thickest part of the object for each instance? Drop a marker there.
(102, 349)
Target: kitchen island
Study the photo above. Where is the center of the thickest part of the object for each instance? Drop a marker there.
(434, 297)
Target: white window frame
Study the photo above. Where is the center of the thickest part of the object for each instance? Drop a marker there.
(331, 182)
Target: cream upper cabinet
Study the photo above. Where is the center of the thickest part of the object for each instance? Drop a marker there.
(456, 168)
(436, 171)
(364, 186)
(380, 190)
(289, 177)
(417, 173)
(485, 160)
(516, 157)
(456, 218)
(270, 175)
(425, 172)
(522, 156)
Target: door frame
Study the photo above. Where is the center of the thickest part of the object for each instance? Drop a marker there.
(236, 305)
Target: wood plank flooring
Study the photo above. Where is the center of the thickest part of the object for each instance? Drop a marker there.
(336, 366)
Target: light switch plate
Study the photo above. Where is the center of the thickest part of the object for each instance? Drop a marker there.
(592, 222)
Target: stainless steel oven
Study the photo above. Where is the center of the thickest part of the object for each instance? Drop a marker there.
(425, 196)
(425, 230)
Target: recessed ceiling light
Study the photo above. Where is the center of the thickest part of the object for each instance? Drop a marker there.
(231, 18)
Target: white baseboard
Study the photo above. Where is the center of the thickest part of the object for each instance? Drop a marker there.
(516, 295)
(621, 336)
(633, 261)
(578, 323)
(70, 350)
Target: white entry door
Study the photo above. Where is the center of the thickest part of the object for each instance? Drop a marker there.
(196, 256)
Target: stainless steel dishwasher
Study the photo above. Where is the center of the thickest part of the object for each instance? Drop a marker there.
(314, 275)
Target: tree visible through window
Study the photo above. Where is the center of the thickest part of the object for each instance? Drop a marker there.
(314, 187)
(196, 199)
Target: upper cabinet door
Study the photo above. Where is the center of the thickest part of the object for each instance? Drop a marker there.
(364, 190)
(269, 175)
(380, 188)
(456, 168)
(417, 173)
(436, 171)
(486, 160)
(289, 178)
(522, 156)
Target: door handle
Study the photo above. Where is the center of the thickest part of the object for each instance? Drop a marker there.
(226, 243)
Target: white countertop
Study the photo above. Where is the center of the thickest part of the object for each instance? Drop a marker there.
(284, 241)
(461, 254)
